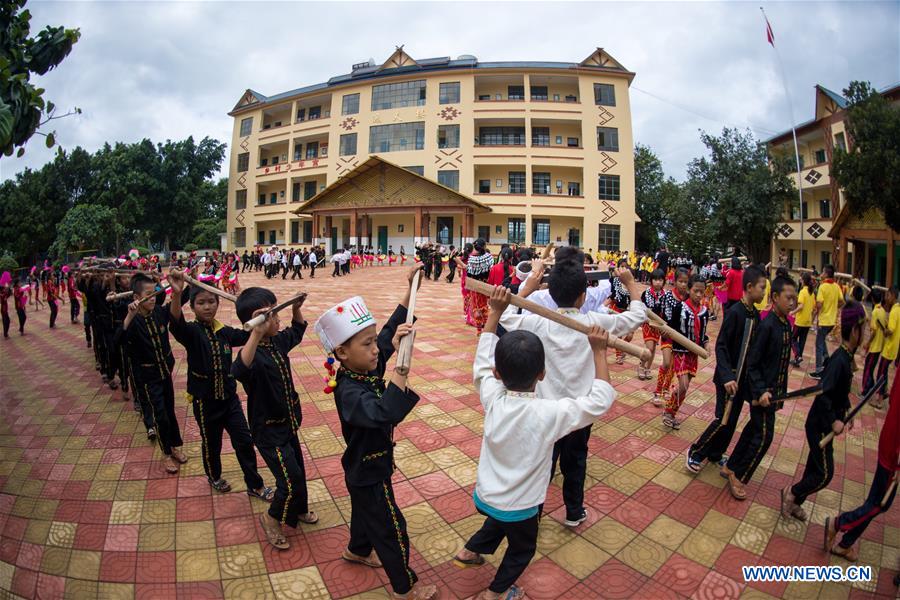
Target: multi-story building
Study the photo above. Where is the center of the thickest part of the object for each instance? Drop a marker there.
(830, 234)
(525, 152)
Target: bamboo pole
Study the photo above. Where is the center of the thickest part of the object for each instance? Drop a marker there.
(260, 318)
(481, 287)
(658, 323)
(404, 354)
(209, 288)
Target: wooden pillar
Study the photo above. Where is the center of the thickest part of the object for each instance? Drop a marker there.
(426, 226)
(468, 227)
(417, 226)
(328, 227)
(841, 261)
(316, 233)
(354, 219)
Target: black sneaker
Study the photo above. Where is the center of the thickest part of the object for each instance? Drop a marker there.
(151, 434)
(577, 521)
(816, 375)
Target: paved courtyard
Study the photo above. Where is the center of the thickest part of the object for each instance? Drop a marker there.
(86, 509)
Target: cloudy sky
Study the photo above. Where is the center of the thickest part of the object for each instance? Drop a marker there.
(170, 69)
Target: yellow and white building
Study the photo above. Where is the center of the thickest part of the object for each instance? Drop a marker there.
(442, 149)
(861, 245)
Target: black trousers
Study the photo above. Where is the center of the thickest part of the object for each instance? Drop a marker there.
(100, 351)
(754, 442)
(452, 273)
(20, 313)
(54, 310)
(345, 268)
(74, 308)
(522, 538)
(377, 523)
(819, 465)
(337, 270)
(438, 267)
(87, 328)
(312, 270)
(798, 341)
(427, 269)
(161, 397)
(297, 272)
(713, 442)
(215, 417)
(853, 523)
(113, 366)
(571, 451)
(142, 405)
(124, 367)
(286, 463)
(6, 323)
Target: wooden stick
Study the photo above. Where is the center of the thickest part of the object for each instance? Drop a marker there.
(113, 297)
(865, 288)
(803, 270)
(210, 288)
(546, 252)
(890, 490)
(658, 323)
(879, 287)
(155, 293)
(249, 325)
(843, 275)
(725, 260)
(855, 410)
(404, 354)
(474, 285)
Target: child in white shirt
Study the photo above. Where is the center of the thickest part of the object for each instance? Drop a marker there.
(569, 358)
(520, 428)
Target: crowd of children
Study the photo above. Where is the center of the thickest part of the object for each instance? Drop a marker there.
(532, 375)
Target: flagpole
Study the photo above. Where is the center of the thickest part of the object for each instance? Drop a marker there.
(787, 93)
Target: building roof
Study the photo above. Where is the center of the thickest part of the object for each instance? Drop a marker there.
(378, 183)
(400, 62)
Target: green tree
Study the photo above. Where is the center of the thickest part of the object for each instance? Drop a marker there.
(739, 191)
(648, 182)
(22, 105)
(870, 172)
(213, 198)
(685, 221)
(85, 227)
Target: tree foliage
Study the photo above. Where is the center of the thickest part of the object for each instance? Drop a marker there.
(157, 195)
(22, 104)
(870, 172)
(648, 184)
(85, 227)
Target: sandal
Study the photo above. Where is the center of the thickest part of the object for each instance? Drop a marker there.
(670, 421)
(370, 561)
(798, 513)
(268, 494)
(851, 554)
(171, 466)
(274, 536)
(464, 563)
(310, 518)
(513, 593)
(830, 533)
(220, 485)
(178, 455)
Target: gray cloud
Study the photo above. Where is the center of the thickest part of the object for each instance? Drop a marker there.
(169, 70)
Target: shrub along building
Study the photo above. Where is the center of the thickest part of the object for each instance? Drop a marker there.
(863, 245)
(441, 149)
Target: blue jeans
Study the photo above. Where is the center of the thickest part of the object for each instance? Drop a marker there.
(821, 347)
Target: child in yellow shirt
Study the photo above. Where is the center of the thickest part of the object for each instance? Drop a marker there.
(803, 315)
(890, 345)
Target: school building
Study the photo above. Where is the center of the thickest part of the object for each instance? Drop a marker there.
(859, 244)
(440, 149)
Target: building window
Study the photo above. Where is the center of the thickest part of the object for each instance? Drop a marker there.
(840, 142)
(825, 257)
(312, 149)
(540, 136)
(517, 182)
(315, 112)
(484, 232)
(444, 230)
(574, 189)
(350, 104)
(397, 137)
(604, 94)
(608, 139)
(295, 232)
(239, 238)
(449, 93)
(263, 162)
(273, 198)
(298, 151)
(501, 136)
(243, 162)
(261, 237)
(418, 170)
(449, 179)
(275, 160)
(240, 199)
(540, 183)
(484, 186)
(516, 92)
(539, 92)
(307, 231)
(246, 126)
(609, 187)
(295, 192)
(309, 189)
(825, 210)
(796, 211)
(516, 231)
(301, 115)
(820, 156)
(398, 95)
(572, 142)
(802, 160)
(609, 238)
(574, 237)
(262, 200)
(448, 136)
(348, 144)
(540, 232)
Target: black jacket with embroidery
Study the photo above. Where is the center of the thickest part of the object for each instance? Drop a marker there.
(369, 411)
(728, 345)
(833, 402)
(147, 344)
(273, 406)
(209, 353)
(770, 354)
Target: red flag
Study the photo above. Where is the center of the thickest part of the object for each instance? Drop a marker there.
(770, 35)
